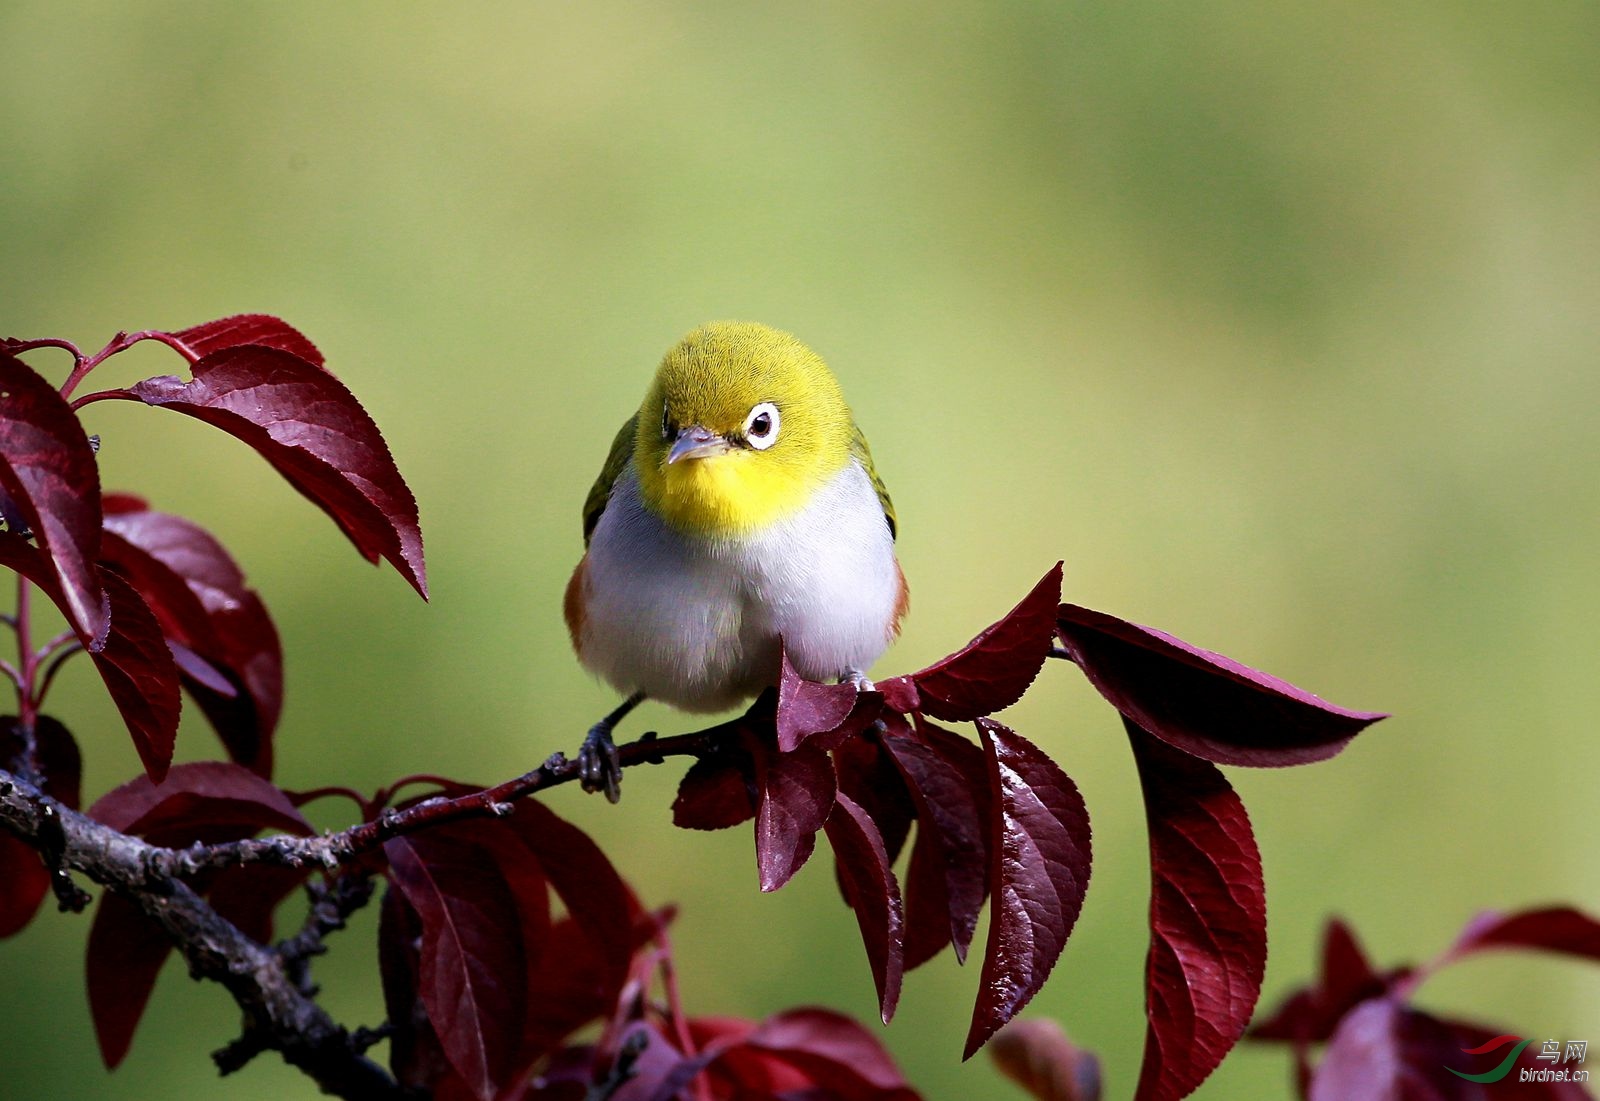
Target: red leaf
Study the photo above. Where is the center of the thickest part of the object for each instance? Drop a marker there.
(248, 328)
(48, 470)
(134, 662)
(24, 881)
(247, 896)
(804, 1054)
(900, 694)
(1039, 858)
(993, 670)
(1208, 919)
(797, 792)
(140, 675)
(1384, 1051)
(125, 953)
(199, 597)
(1036, 1055)
(313, 431)
(1557, 929)
(867, 774)
(948, 879)
(415, 1056)
(834, 1052)
(873, 894)
(204, 801)
(1311, 1014)
(584, 960)
(717, 791)
(472, 973)
(1201, 702)
(806, 707)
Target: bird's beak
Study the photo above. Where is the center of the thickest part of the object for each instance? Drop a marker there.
(694, 442)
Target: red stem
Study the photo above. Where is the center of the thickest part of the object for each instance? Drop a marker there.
(119, 343)
(27, 705)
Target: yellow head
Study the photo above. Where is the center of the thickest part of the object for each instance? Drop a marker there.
(740, 426)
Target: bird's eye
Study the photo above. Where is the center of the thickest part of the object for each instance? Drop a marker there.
(761, 426)
(666, 422)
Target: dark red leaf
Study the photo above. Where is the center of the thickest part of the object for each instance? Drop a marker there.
(313, 431)
(1039, 859)
(248, 328)
(660, 1071)
(415, 1056)
(248, 896)
(1203, 703)
(140, 675)
(806, 707)
(24, 880)
(584, 960)
(1208, 919)
(1311, 1013)
(125, 953)
(206, 611)
(48, 471)
(948, 879)
(472, 970)
(1387, 1051)
(836, 1053)
(993, 670)
(1556, 929)
(867, 774)
(873, 894)
(135, 664)
(1036, 1055)
(900, 694)
(805, 1054)
(716, 792)
(205, 801)
(797, 793)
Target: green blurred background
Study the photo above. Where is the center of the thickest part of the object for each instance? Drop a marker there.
(1277, 322)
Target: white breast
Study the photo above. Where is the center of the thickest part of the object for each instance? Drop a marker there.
(695, 622)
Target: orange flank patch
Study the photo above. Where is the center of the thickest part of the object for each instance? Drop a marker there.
(902, 601)
(572, 604)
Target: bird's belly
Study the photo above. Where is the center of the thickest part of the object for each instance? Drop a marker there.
(696, 623)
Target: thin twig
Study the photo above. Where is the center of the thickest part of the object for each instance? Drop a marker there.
(333, 849)
(215, 949)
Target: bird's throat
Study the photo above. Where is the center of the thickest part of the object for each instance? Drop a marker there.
(726, 495)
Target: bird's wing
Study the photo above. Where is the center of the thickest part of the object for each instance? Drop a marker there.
(600, 493)
(858, 448)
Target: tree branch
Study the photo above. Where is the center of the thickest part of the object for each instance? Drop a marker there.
(333, 849)
(286, 1019)
(272, 985)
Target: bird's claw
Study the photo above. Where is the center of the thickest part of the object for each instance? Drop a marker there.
(599, 767)
(859, 681)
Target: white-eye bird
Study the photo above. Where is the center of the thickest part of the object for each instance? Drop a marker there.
(738, 506)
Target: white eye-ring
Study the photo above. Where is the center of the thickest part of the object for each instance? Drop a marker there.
(761, 426)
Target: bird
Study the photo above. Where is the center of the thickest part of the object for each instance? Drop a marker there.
(738, 509)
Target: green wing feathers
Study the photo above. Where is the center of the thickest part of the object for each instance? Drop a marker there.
(600, 493)
(859, 448)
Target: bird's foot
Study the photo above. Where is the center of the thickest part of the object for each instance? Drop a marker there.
(859, 679)
(599, 768)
